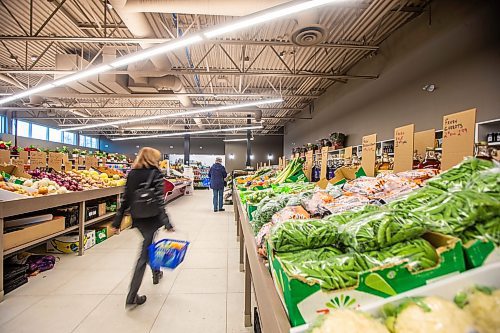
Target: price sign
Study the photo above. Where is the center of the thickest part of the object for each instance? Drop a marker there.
(103, 161)
(348, 152)
(17, 162)
(23, 155)
(403, 148)
(324, 162)
(309, 163)
(4, 156)
(458, 137)
(94, 162)
(422, 140)
(369, 144)
(68, 166)
(65, 158)
(38, 159)
(55, 161)
(81, 160)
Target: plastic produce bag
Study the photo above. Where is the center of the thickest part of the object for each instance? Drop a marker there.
(483, 231)
(346, 202)
(293, 235)
(377, 230)
(316, 204)
(258, 196)
(347, 216)
(290, 213)
(457, 177)
(167, 253)
(266, 209)
(418, 198)
(487, 181)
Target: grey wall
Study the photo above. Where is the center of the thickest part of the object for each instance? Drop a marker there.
(459, 52)
(261, 147)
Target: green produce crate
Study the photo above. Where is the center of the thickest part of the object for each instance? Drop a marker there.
(360, 173)
(101, 235)
(304, 302)
(478, 253)
(250, 209)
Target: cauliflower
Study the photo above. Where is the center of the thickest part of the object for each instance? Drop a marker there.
(483, 305)
(350, 321)
(430, 315)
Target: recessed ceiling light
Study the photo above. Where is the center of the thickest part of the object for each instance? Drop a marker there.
(171, 147)
(137, 146)
(34, 57)
(201, 147)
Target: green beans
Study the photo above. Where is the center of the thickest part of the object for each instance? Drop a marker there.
(332, 270)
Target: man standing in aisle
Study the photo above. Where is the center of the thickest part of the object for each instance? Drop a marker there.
(217, 174)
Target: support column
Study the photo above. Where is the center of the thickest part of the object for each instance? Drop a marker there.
(187, 148)
(249, 143)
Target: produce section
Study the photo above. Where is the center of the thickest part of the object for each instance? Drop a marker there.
(343, 239)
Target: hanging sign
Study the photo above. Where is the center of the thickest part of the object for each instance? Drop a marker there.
(368, 154)
(458, 137)
(403, 148)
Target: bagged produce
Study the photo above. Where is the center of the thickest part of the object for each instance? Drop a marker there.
(331, 270)
(483, 231)
(316, 204)
(346, 202)
(483, 305)
(419, 198)
(457, 177)
(258, 196)
(266, 209)
(293, 235)
(290, 213)
(419, 175)
(377, 230)
(428, 315)
(343, 320)
(454, 212)
(261, 237)
(347, 216)
(486, 181)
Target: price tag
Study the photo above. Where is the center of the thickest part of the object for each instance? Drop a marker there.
(94, 162)
(4, 156)
(23, 155)
(55, 161)
(38, 159)
(68, 166)
(348, 152)
(369, 144)
(458, 137)
(403, 148)
(17, 162)
(422, 140)
(81, 160)
(88, 162)
(65, 158)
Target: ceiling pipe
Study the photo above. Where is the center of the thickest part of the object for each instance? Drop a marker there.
(201, 7)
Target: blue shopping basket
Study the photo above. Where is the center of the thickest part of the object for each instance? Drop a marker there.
(167, 253)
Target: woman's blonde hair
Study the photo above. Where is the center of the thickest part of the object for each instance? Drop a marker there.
(147, 158)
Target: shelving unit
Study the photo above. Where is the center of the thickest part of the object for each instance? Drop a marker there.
(485, 127)
(21, 206)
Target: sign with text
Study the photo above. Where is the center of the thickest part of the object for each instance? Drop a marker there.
(422, 140)
(348, 152)
(4, 156)
(81, 160)
(55, 161)
(65, 158)
(23, 155)
(403, 148)
(458, 137)
(309, 164)
(324, 162)
(38, 159)
(18, 163)
(368, 154)
(68, 166)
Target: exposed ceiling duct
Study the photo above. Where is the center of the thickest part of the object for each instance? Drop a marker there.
(139, 26)
(308, 31)
(201, 7)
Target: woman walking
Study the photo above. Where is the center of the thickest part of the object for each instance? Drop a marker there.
(144, 179)
(217, 173)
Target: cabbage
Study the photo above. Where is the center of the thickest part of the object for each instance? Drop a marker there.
(483, 305)
(348, 321)
(428, 315)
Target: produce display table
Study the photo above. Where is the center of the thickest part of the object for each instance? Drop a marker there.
(178, 191)
(29, 204)
(272, 314)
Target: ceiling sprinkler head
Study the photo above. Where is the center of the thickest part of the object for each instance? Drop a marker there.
(429, 87)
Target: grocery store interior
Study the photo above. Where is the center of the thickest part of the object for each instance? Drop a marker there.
(326, 166)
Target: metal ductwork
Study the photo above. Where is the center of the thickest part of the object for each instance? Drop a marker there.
(116, 82)
(201, 7)
(308, 31)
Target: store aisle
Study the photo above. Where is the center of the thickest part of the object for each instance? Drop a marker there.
(87, 294)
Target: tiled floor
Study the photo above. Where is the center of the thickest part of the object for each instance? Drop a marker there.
(87, 294)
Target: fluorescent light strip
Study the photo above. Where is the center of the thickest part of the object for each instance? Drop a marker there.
(234, 140)
(265, 17)
(192, 132)
(185, 113)
(175, 44)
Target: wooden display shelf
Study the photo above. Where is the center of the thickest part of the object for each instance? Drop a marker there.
(30, 205)
(272, 314)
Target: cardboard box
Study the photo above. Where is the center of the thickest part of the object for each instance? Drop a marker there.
(14, 171)
(126, 222)
(478, 253)
(343, 174)
(101, 208)
(70, 243)
(109, 228)
(32, 232)
(101, 234)
(304, 302)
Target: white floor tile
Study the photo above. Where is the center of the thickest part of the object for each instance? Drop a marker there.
(235, 314)
(46, 283)
(200, 281)
(92, 282)
(53, 314)
(193, 313)
(111, 316)
(14, 305)
(147, 286)
(206, 258)
(235, 281)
